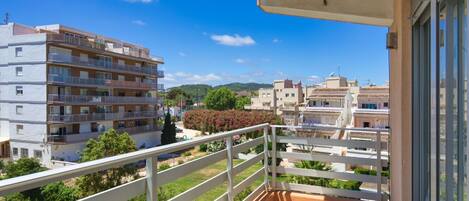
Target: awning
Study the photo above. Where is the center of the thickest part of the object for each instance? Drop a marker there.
(4, 139)
(371, 12)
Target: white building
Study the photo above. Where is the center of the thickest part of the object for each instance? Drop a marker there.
(60, 86)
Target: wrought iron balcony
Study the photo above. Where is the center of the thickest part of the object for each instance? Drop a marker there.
(70, 80)
(93, 100)
(54, 118)
(56, 138)
(269, 173)
(100, 65)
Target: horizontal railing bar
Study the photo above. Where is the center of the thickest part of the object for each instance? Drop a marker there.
(247, 145)
(248, 163)
(327, 191)
(200, 189)
(174, 173)
(248, 181)
(171, 174)
(35, 180)
(123, 192)
(243, 184)
(384, 130)
(329, 158)
(259, 191)
(328, 142)
(330, 174)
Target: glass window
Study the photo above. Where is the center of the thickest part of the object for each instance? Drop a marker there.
(19, 52)
(38, 154)
(24, 153)
(19, 71)
(19, 90)
(19, 109)
(15, 151)
(19, 129)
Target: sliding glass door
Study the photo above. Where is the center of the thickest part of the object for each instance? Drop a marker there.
(440, 101)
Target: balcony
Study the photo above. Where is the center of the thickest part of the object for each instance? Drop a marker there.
(77, 81)
(271, 187)
(101, 46)
(100, 65)
(82, 137)
(93, 100)
(71, 118)
(160, 74)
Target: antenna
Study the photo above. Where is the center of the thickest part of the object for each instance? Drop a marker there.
(338, 70)
(6, 19)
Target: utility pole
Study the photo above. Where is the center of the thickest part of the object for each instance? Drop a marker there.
(6, 19)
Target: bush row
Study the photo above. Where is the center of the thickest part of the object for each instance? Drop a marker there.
(212, 121)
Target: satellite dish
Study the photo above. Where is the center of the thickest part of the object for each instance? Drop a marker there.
(332, 74)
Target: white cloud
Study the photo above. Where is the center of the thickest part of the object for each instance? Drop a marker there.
(182, 54)
(240, 61)
(234, 40)
(275, 40)
(314, 79)
(139, 1)
(139, 22)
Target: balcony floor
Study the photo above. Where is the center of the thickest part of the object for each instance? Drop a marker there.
(295, 196)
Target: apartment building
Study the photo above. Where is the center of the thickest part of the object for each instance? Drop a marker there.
(61, 86)
(372, 109)
(284, 94)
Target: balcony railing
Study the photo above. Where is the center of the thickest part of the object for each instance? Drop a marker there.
(99, 64)
(82, 42)
(53, 118)
(86, 43)
(82, 137)
(70, 80)
(86, 100)
(160, 74)
(268, 173)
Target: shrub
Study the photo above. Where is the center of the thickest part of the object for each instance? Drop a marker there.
(180, 162)
(216, 121)
(164, 166)
(243, 194)
(187, 153)
(203, 147)
(360, 170)
(215, 146)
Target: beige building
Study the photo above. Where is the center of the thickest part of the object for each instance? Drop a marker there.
(284, 94)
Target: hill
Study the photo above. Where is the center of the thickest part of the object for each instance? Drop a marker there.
(199, 91)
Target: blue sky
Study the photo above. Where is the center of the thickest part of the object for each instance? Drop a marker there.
(222, 41)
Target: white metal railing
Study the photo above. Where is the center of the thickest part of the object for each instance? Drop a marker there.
(76, 99)
(101, 116)
(72, 80)
(153, 179)
(100, 64)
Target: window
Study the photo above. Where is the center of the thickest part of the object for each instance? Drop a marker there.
(366, 124)
(15, 151)
(19, 129)
(83, 92)
(292, 95)
(24, 153)
(84, 110)
(19, 90)
(83, 57)
(84, 74)
(19, 52)
(38, 154)
(385, 104)
(286, 95)
(19, 109)
(19, 71)
(121, 77)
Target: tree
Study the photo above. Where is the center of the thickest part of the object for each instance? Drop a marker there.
(58, 191)
(242, 101)
(220, 99)
(110, 143)
(169, 131)
(24, 166)
(174, 92)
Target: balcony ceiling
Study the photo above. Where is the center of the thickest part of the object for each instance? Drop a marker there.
(371, 12)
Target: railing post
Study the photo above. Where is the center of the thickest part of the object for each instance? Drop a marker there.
(151, 170)
(229, 167)
(274, 159)
(266, 158)
(378, 164)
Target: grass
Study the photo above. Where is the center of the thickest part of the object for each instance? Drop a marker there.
(195, 178)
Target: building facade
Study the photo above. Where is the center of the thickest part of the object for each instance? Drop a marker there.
(284, 94)
(61, 86)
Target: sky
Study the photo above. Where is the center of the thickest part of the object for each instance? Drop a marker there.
(222, 41)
